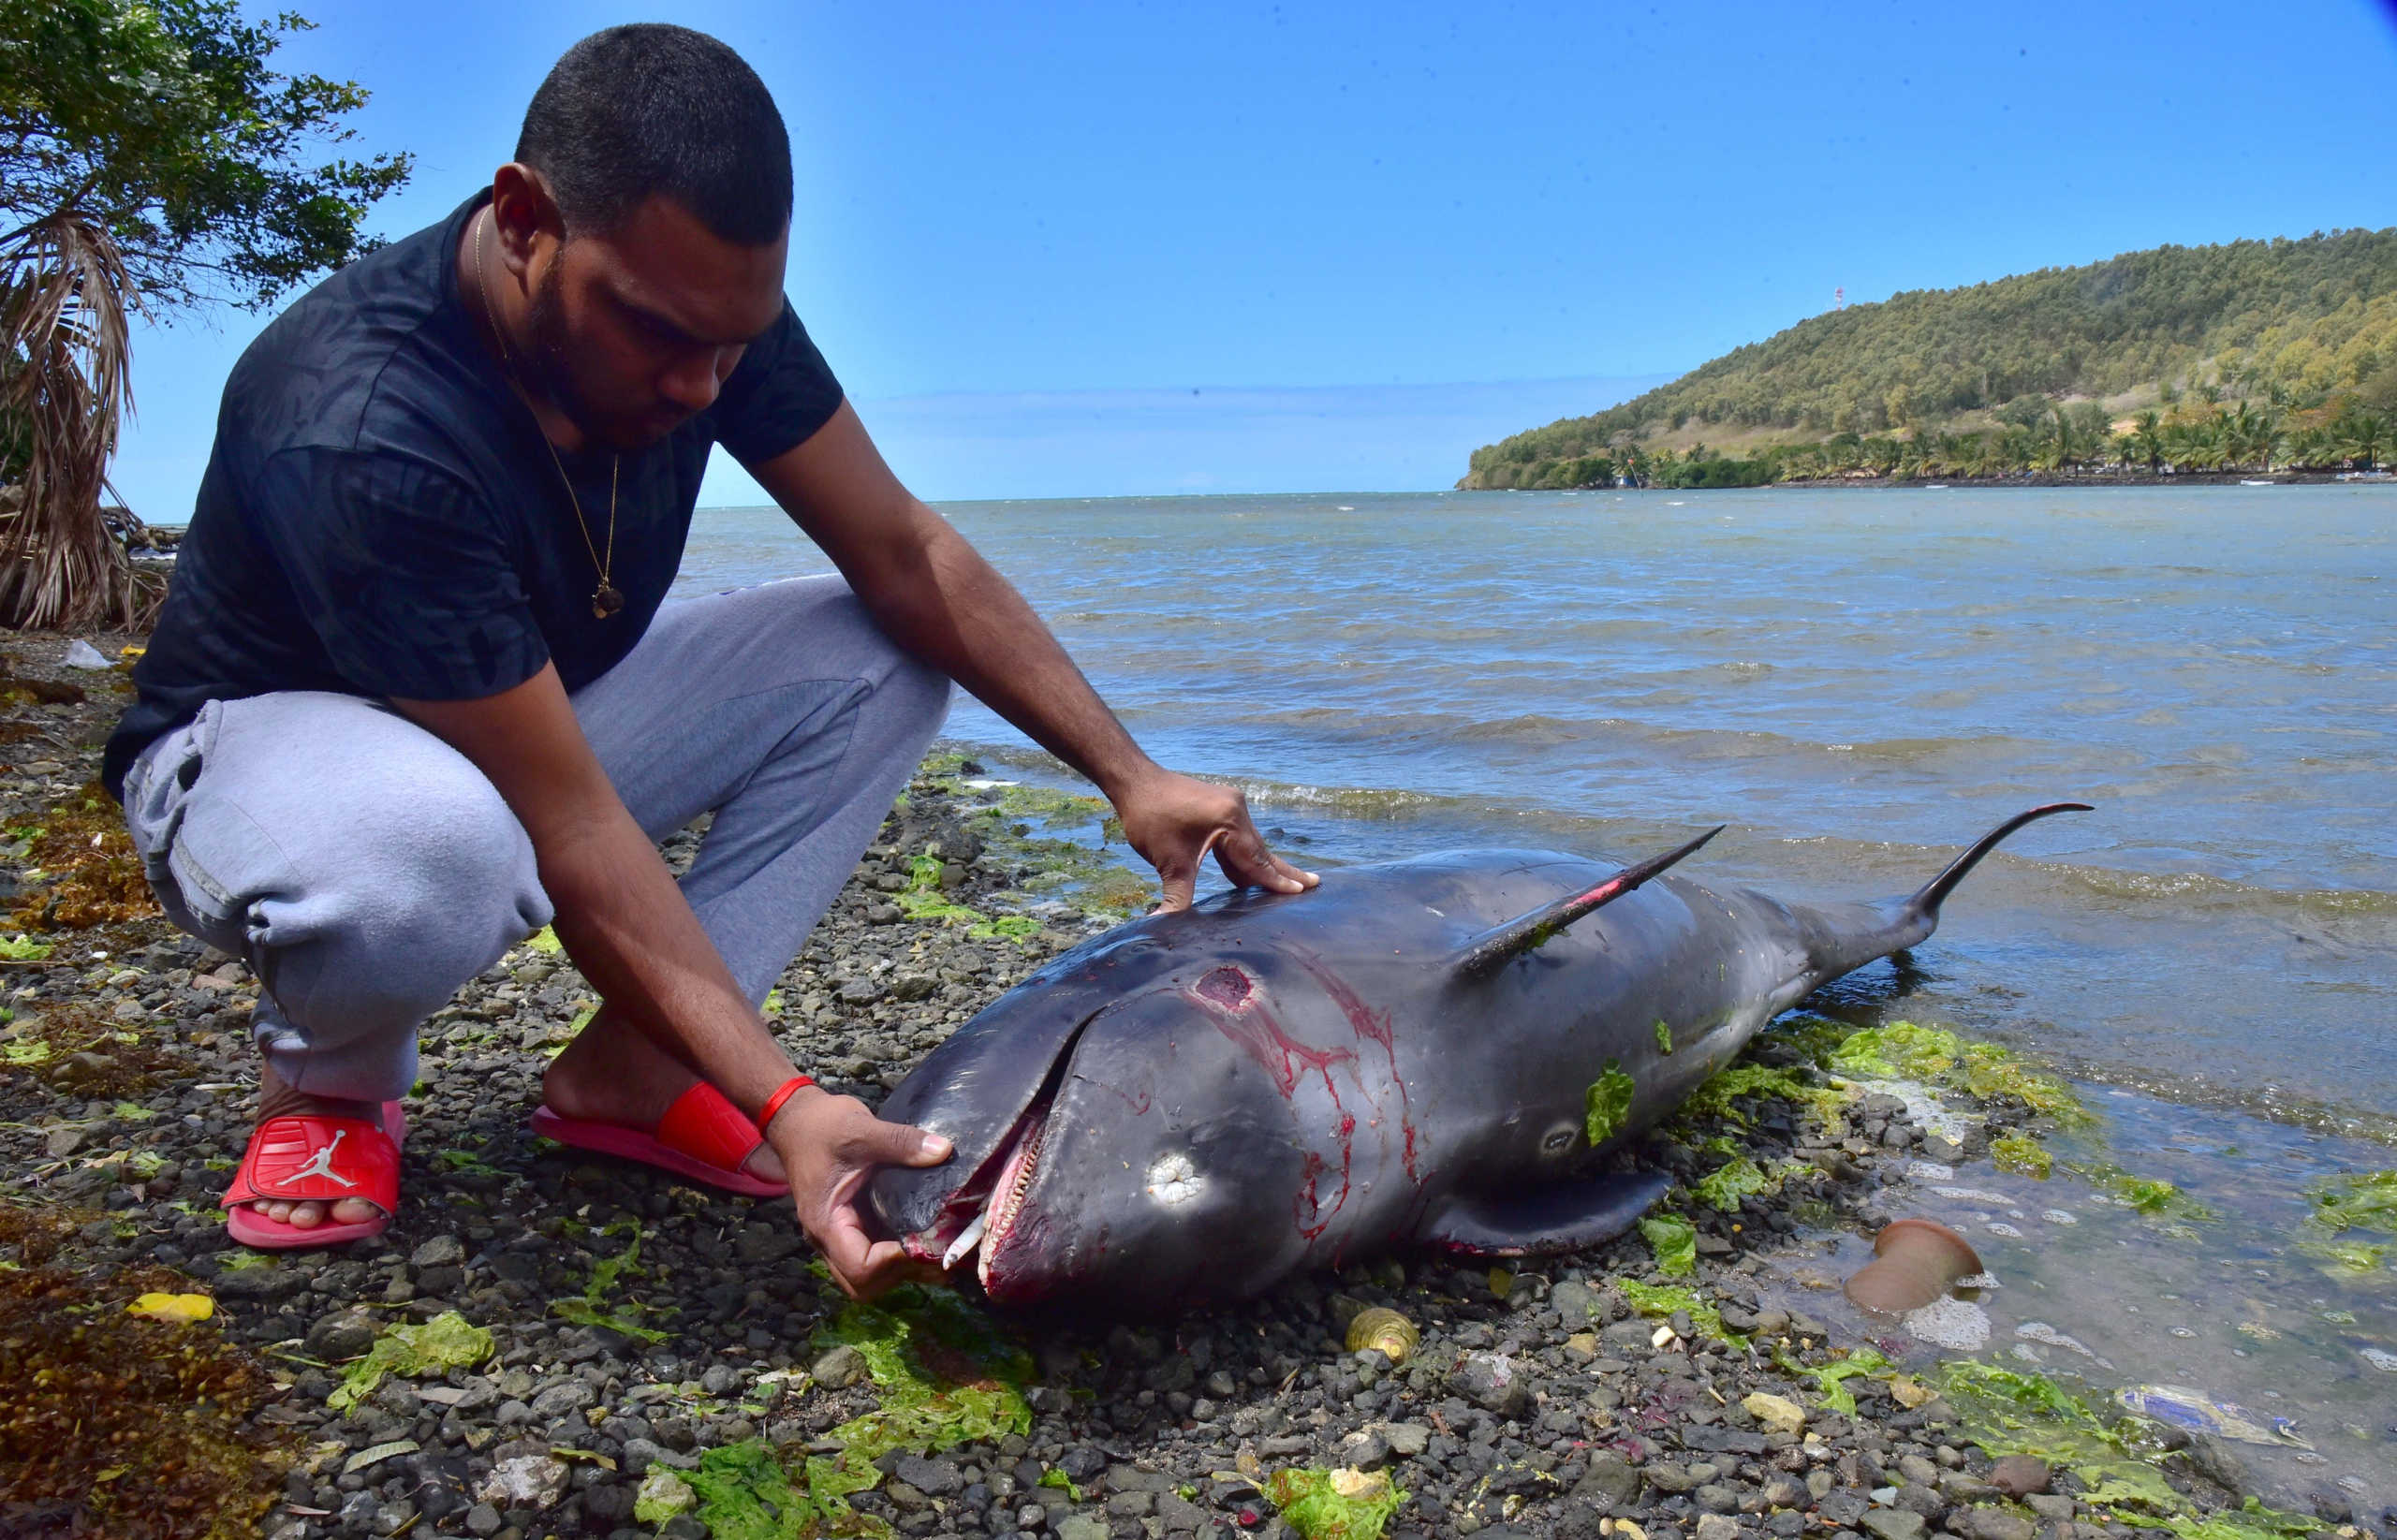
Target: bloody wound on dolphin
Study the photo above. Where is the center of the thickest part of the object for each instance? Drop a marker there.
(1195, 1105)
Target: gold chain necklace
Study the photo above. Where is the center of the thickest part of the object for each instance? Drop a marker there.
(607, 599)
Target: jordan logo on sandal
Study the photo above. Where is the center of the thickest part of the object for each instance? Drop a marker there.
(322, 1164)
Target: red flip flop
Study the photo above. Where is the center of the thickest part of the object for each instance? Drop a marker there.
(702, 1136)
(303, 1156)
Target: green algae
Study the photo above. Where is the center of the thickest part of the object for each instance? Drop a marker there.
(2364, 1201)
(744, 1494)
(21, 949)
(2023, 1155)
(1830, 1379)
(1904, 1052)
(2010, 1413)
(1665, 1298)
(1059, 1480)
(593, 1310)
(1664, 1038)
(1720, 1095)
(663, 1495)
(2153, 1197)
(2350, 1260)
(1739, 1178)
(923, 900)
(946, 1376)
(1324, 1504)
(1610, 1103)
(446, 1342)
(1673, 1241)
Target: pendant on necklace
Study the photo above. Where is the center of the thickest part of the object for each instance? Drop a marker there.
(605, 600)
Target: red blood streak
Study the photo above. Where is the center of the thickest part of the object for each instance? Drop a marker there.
(1373, 1026)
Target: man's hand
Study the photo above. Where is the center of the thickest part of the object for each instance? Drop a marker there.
(1174, 821)
(831, 1146)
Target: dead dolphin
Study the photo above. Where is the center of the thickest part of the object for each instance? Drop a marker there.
(1439, 1051)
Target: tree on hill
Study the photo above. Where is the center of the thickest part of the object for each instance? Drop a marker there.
(2298, 327)
(150, 160)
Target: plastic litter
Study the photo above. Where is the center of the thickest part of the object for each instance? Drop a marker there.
(1914, 1263)
(82, 655)
(2181, 1407)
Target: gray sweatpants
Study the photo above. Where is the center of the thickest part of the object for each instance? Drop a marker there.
(365, 869)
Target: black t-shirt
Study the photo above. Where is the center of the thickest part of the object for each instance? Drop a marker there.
(381, 517)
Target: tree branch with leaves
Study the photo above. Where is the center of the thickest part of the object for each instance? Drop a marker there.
(151, 160)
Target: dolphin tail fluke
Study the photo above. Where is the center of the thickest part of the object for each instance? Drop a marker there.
(1840, 937)
(1935, 892)
(1495, 947)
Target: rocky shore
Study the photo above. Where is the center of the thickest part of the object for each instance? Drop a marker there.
(545, 1345)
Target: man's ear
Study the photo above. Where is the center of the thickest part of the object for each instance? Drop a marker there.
(525, 217)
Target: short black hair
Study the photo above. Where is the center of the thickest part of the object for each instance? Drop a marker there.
(650, 108)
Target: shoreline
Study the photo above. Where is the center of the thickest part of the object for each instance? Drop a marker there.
(644, 1337)
(2029, 478)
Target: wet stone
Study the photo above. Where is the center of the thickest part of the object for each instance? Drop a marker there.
(1893, 1524)
(1994, 1524)
(1717, 1526)
(441, 1251)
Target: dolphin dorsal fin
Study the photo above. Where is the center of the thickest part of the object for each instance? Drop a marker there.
(1491, 950)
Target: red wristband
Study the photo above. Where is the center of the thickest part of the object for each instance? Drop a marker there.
(782, 1092)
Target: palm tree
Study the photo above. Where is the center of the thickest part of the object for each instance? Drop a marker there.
(64, 302)
(2362, 436)
(2147, 436)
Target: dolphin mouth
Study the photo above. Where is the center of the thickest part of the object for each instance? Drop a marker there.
(981, 1214)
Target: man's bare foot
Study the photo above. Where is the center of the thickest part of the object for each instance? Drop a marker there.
(612, 1073)
(278, 1100)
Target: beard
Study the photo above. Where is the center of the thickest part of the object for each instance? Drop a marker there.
(551, 367)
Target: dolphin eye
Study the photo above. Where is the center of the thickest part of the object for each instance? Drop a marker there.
(1560, 1140)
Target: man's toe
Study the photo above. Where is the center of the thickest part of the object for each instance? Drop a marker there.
(355, 1210)
(764, 1165)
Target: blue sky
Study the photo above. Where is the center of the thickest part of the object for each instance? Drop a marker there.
(1024, 235)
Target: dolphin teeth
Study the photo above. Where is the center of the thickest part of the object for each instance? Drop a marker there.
(966, 1242)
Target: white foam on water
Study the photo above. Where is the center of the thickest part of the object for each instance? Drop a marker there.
(1975, 1194)
(2058, 1216)
(2039, 1331)
(1999, 1227)
(2381, 1359)
(1957, 1324)
(1928, 1170)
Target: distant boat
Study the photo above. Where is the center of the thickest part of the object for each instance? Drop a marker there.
(2250, 481)
(1936, 486)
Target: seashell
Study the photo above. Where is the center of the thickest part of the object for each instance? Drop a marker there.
(1385, 1332)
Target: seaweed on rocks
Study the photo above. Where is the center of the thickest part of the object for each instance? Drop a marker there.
(118, 1424)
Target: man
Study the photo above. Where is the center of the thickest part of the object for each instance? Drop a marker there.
(413, 693)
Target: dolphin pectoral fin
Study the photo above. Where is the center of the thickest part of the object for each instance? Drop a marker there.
(1544, 1220)
(1495, 947)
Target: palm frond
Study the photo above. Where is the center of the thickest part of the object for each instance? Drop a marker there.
(66, 301)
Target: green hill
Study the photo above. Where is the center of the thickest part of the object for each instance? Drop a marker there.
(2300, 333)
